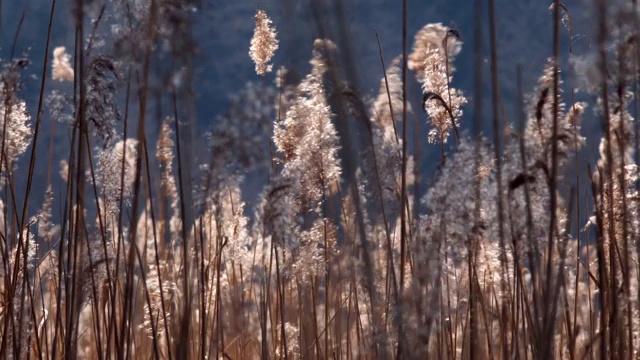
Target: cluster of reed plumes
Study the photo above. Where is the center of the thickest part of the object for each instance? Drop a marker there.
(155, 253)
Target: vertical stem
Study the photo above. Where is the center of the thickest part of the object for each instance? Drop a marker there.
(498, 158)
(403, 225)
(605, 343)
(477, 129)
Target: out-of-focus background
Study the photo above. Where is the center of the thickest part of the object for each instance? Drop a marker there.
(223, 67)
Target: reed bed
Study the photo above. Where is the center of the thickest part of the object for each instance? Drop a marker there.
(350, 250)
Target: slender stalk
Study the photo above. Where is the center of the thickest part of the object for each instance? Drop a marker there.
(403, 189)
(497, 127)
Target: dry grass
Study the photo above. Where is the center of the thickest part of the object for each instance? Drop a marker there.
(157, 253)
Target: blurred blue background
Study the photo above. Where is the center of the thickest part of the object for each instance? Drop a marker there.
(224, 28)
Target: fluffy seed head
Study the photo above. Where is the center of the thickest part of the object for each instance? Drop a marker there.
(62, 70)
(263, 44)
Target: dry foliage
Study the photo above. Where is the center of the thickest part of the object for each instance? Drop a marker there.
(155, 252)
